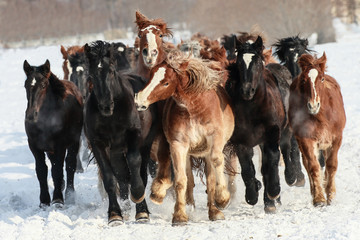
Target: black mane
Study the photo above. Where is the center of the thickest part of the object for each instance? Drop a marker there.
(282, 45)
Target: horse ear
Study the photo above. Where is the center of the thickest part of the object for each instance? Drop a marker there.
(304, 42)
(47, 66)
(259, 44)
(27, 68)
(140, 17)
(322, 62)
(63, 51)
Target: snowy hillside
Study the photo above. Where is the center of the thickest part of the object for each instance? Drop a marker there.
(21, 218)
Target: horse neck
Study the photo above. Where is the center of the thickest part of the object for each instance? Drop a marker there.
(66, 70)
(122, 86)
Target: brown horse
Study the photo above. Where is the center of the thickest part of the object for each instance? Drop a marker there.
(198, 121)
(317, 117)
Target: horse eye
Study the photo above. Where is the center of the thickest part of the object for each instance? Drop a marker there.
(139, 36)
(323, 79)
(166, 84)
(160, 35)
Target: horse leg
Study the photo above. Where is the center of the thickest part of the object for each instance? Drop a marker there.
(330, 170)
(57, 173)
(222, 195)
(71, 165)
(101, 153)
(310, 157)
(190, 184)
(252, 185)
(41, 173)
(214, 212)
(133, 158)
(162, 181)
(295, 158)
(290, 167)
(179, 156)
(270, 168)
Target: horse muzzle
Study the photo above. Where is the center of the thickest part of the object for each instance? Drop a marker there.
(313, 108)
(106, 109)
(32, 117)
(140, 105)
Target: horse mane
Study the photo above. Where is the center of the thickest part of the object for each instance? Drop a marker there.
(308, 61)
(244, 37)
(203, 74)
(268, 58)
(142, 22)
(285, 43)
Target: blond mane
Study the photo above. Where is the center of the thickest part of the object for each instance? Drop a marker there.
(203, 74)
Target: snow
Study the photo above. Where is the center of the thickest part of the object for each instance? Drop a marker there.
(296, 218)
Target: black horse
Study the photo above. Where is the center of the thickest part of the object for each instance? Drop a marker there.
(289, 50)
(53, 122)
(260, 119)
(119, 135)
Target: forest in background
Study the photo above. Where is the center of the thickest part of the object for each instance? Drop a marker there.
(25, 20)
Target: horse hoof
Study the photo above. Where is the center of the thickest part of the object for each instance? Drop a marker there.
(142, 217)
(179, 220)
(270, 209)
(156, 199)
(216, 215)
(137, 200)
(115, 221)
(300, 181)
(44, 206)
(222, 205)
(58, 203)
(320, 204)
(290, 178)
(178, 223)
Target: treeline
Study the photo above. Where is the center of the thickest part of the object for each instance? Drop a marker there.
(22, 20)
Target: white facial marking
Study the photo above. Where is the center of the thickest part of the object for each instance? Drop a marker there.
(247, 59)
(142, 96)
(291, 49)
(296, 57)
(33, 82)
(150, 37)
(250, 41)
(79, 68)
(150, 27)
(120, 49)
(99, 65)
(312, 75)
(69, 68)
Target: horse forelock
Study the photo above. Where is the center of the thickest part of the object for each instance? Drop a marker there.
(148, 24)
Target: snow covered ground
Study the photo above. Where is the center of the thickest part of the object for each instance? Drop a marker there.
(21, 218)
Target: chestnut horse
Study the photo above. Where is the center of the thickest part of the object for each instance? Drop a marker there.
(198, 121)
(53, 123)
(317, 117)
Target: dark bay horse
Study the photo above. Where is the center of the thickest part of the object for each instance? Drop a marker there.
(53, 123)
(317, 117)
(260, 118)
(119, 135)
(198, 121)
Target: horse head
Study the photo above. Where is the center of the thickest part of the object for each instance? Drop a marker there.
(229, 43)
(102, 74)
(151, 33)
(311, 81)
(162, 84)
(78, 70)
(289, 50)
(36, 83)
(250, 67)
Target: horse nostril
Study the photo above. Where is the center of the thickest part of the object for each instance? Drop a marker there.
(154, 52)
(318, 104)
(145, 52)
(252, 90)
(309, 105)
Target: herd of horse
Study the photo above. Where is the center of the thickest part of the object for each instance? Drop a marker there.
(166, 110)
